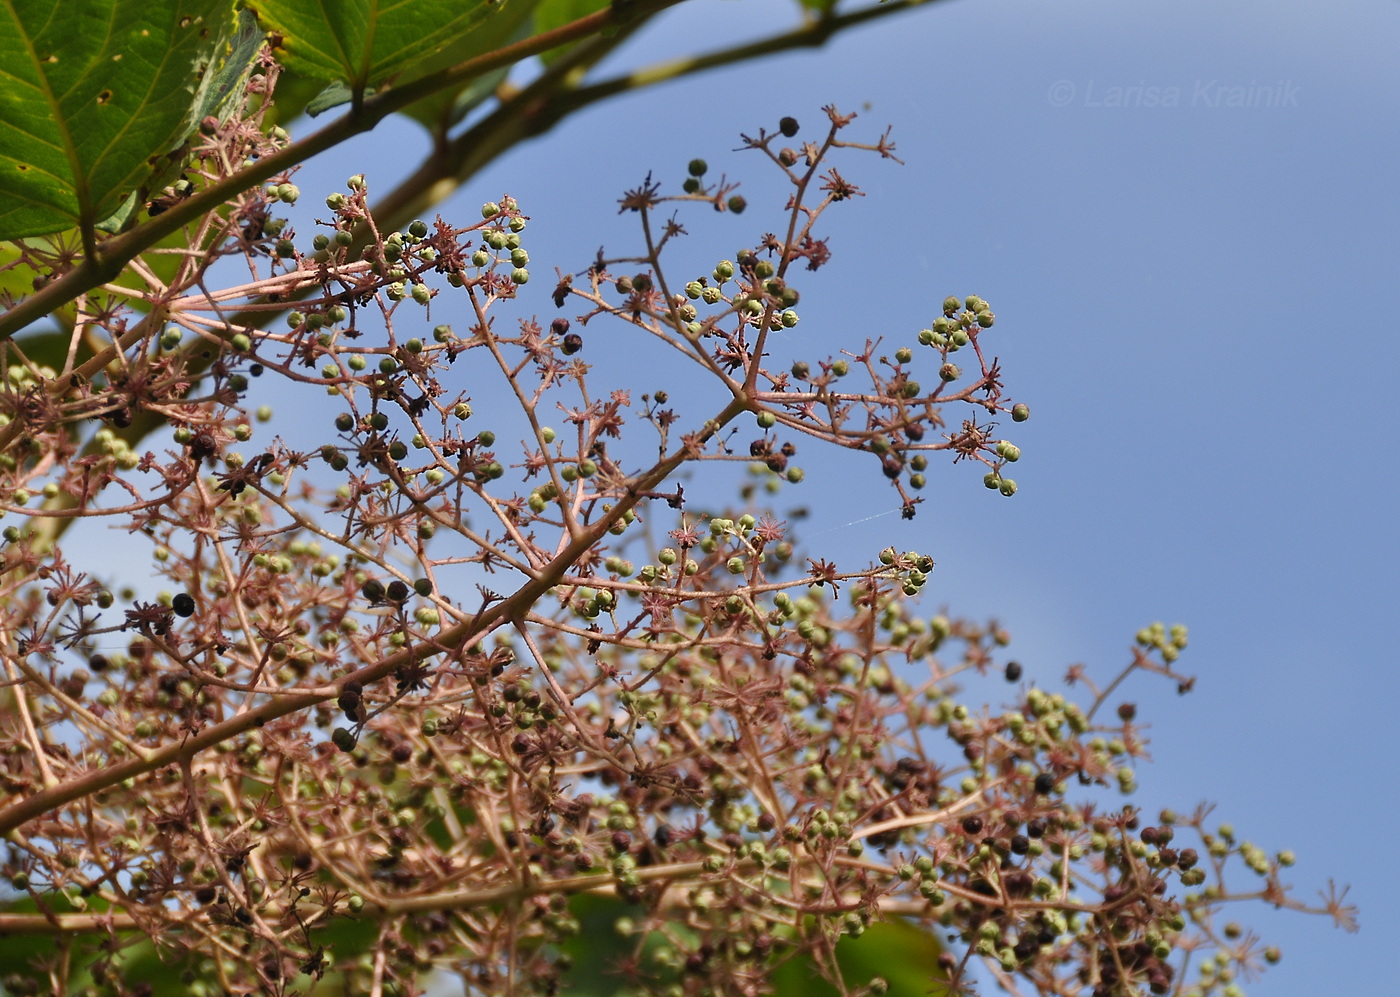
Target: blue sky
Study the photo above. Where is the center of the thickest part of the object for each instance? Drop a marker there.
(1191, 297)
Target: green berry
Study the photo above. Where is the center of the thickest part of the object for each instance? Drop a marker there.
(950, 372)
(241, 342)
(697, 167)
(903, 355)
(422, 294)
(737, 204)
(490, 209)
(418, 228)
(520, 275)
(1020, 412)
(1008, 488)
(951, 305)
(288, 193)
(840, 368)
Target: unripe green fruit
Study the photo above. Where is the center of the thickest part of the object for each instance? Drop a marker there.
(1008, 450)
(690, 185)
(949, 372)
(1020, 412)
(985, 319)
(288, 193)
(697, 167)
(356, 362)
(724, 269)
(840, 368)
(912, 389)
(422, 294)
(490, 209)
(711, 295)
(335, 202)
(587, 468)
(917, 481)
(903, 355)
(481, 258)
(763, 269)
(951, 305)
(737, 204)
(241, 342)
(788, 319)
(286, 249)
(736, 565)
(766, 420)
(694, 289)
(1007, 487)
(442, 333)
(387, 365)
(486, 438)
(395, 291)
(170, 339)
(517, 224)
(520, 275)
(925, 337)
(795, 474)
(519, 257)
(418, 228)
(462, 411)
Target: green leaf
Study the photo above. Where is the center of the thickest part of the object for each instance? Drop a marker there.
(337, 92)
(92, 94)
(222, 86)
(365, 43)
(553, 14)
(444, 109)
(905, 955)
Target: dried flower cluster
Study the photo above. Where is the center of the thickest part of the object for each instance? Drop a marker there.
(328, 753)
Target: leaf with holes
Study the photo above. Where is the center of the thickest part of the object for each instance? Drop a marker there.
(93, 96)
